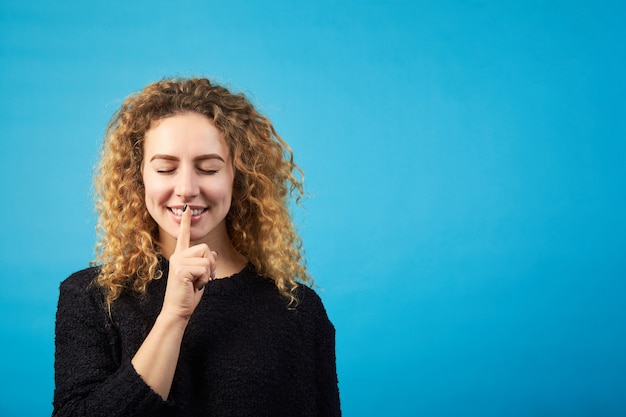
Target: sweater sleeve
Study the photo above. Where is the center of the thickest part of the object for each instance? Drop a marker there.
(90, 376)
(326, 368)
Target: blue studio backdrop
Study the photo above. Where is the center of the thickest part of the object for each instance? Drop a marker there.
(465, 163)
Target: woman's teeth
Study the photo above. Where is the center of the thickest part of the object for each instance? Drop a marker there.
(179, 212)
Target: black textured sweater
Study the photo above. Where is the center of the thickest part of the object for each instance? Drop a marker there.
(244, 353)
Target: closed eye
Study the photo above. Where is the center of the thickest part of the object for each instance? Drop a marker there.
(208, 171)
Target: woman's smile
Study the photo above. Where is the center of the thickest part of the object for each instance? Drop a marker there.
(178, 211)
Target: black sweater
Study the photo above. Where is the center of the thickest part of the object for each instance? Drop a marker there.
(244, 353)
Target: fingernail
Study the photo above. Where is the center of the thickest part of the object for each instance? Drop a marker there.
(184, 208)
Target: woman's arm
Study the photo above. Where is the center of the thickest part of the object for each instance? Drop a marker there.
(157, 357)
(190, 270)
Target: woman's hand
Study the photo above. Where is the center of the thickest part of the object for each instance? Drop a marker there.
(190, 269)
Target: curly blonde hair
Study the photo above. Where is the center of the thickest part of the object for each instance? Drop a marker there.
(266, 178)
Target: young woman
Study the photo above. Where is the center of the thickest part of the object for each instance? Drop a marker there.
(195, 306)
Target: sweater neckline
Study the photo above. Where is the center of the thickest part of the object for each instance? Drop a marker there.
(233, 283)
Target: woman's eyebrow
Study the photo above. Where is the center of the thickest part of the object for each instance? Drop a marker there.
(163, 156)
(198, 158)
(209, 156)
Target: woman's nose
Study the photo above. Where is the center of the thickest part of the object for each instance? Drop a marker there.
(186, 183)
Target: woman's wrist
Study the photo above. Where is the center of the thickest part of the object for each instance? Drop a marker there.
(171, 321)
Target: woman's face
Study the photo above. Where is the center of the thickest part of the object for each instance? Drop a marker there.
(187, 162)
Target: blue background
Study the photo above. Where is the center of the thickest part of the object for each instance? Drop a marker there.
(465, 161)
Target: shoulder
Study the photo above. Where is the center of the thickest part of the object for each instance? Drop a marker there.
(81, 280)
(80, 289)
(308, 296)
(310, 302)
(311, 310)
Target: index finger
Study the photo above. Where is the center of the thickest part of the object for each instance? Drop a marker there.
(184, 232)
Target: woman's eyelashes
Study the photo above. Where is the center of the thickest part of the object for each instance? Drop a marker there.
(208, 171)
(201, 170)
(209, 167)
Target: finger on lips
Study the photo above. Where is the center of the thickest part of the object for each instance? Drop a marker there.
(184, 232)
(202, 251)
